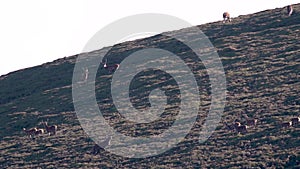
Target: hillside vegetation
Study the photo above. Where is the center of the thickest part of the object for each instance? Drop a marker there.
(261, 57)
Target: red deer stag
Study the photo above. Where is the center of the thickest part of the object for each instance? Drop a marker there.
(250, 121)
(110, 68)
(240, 128)
(50, 129)
(30, 132)
(286, 124)
(295, 121)
(39, 132)
(226, 17)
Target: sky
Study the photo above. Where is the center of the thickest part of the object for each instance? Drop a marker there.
(34, 32)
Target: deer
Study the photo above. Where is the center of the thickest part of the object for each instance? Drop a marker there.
(250, 121)
(289, 10)
(30, 132)
(295, 120)
(110, 68)
(286, 124)
(236, 124)
(226, 17)
(102, 145)
(50, 129)
(240, 128)
(39, 132)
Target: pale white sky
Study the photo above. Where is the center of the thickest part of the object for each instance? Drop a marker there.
(34, 31)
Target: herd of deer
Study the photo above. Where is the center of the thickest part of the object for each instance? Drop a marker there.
(252, 122)
(294, 121)
(109, 68)
(242, 128)
(239, 128)
(51, 130)
(226, 15)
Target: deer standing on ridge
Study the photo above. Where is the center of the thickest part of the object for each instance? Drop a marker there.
(226, 17)
(110, 68)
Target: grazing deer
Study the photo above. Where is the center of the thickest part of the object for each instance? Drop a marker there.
(240, 128)
(226, 17)
(295, 121)
(102, 145)
(39, 132)
(286, 124)
(251, 122)
(110, 68)
(50, 129)
(289, 10)
(30, 132)
(236, 124)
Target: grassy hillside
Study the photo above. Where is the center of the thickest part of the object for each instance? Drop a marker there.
(261, 57)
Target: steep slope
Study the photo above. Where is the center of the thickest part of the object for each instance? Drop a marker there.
(261, 58)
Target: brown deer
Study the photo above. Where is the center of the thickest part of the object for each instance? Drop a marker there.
(39, 132)
(295, 121)
(240, 128)
(226, 17)
(30, 132)
(50, 129)
(110, 68)
(286, 124)
(236, 124)
(251, 122)
(289, 10)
